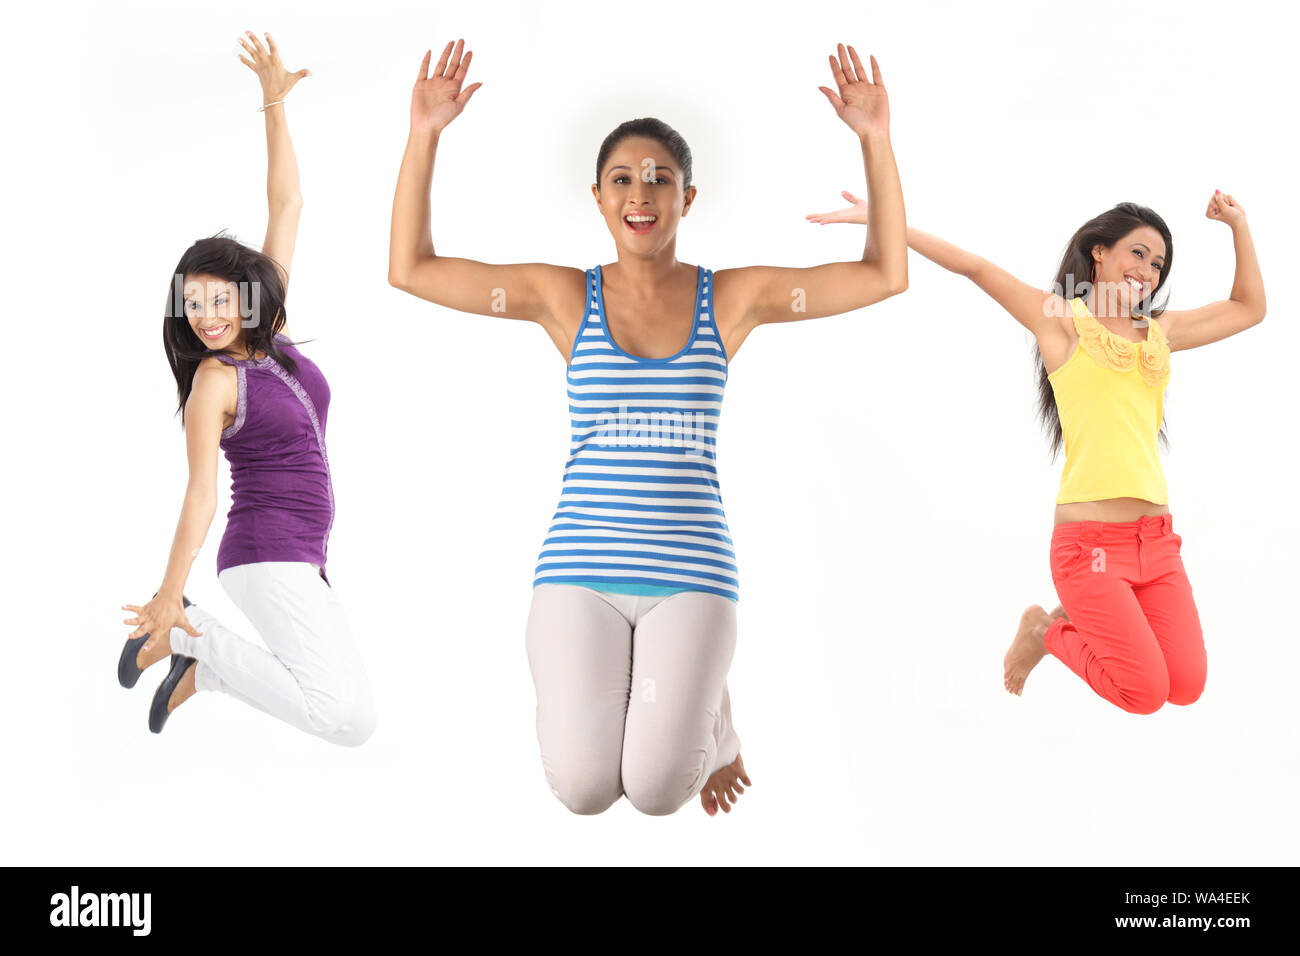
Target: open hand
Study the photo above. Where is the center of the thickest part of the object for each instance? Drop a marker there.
(266, 63)
(855, 213)
(157, 617)
(438, 99)
(861, 103)
(1225, 209)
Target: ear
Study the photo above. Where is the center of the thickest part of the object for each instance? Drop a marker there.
(1097, 250)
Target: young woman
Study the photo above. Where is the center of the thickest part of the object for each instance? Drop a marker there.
(244, 387)
(633, 620)
(1127, 623)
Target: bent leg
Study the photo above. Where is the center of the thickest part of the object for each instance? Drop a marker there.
(679, 722)
(1171, 611)
(580, 655)
(312, 677)
(1106, 639)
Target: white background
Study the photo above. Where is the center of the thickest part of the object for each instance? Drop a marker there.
(888, 490)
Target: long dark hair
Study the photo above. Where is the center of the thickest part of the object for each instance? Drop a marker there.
(1075, 273)
(652, 128)
(231, 260)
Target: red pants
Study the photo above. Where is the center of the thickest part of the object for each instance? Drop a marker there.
(1133, 632)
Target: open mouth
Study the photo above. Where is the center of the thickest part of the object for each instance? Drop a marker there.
(215, 333)
(640, 223)
(1136, 286)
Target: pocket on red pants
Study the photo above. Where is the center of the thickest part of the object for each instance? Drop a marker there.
(1068, 557)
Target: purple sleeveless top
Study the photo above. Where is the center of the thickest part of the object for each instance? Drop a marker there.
(282, 498)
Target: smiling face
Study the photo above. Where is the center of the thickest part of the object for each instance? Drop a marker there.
(1131, 269)
(212, 308)
(640, 195)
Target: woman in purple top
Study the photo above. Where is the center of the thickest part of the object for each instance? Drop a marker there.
(245, 388)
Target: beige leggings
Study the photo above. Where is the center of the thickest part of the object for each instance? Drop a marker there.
(631, 694)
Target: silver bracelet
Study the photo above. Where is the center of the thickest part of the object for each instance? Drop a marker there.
(260, 108)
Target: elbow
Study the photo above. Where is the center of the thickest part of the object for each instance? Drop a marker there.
(898, 283)
(399, 273)
(402, 266)
(893, 278)
(1254, 312)
(408, 272)
(974, 268)
(885, 279)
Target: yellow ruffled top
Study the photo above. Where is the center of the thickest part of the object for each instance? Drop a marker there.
(1110, 398)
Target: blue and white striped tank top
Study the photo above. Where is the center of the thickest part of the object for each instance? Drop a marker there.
(640, 510)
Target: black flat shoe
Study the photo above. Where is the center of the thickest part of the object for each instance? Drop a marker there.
(158, 709)
(127, 671)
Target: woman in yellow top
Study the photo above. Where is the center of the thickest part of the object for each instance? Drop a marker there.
(1128, 624)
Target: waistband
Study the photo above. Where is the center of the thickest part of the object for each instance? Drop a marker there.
(1151, 526)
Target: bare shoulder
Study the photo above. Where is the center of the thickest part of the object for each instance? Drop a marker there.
(734, 291)
(1055, 332)
(563, 292)
(213, 367)
(1164, 322)
(562, 288)
(737, 293)
(1062, 310)
(217, 383)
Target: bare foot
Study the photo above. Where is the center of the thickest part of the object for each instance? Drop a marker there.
(723, 784)
(184, 689)
(1026, 649)
(155, 649)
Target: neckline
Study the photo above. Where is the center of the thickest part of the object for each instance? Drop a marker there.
(259, 362)
(695, 321)
(1148, 340)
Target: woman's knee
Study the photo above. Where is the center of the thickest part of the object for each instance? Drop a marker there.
(1188, 686)
(348, 720)
(584, 790)
(1187, 671)
(659, 790)
(361, 726)
(1146, 696)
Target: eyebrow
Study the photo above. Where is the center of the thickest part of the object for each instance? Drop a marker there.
(1148, 249)
(667, 169)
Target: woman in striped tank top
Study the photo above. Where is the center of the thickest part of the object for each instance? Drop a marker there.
(245, 388)
(633, 621)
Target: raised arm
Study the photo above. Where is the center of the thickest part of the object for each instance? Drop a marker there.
(1038, 311)
(283, 197)
(205, 413)
(764, 294)
(1245, 305)
(509, 291)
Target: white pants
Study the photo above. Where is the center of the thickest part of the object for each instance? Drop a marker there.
(631, 694)
(312, 678)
